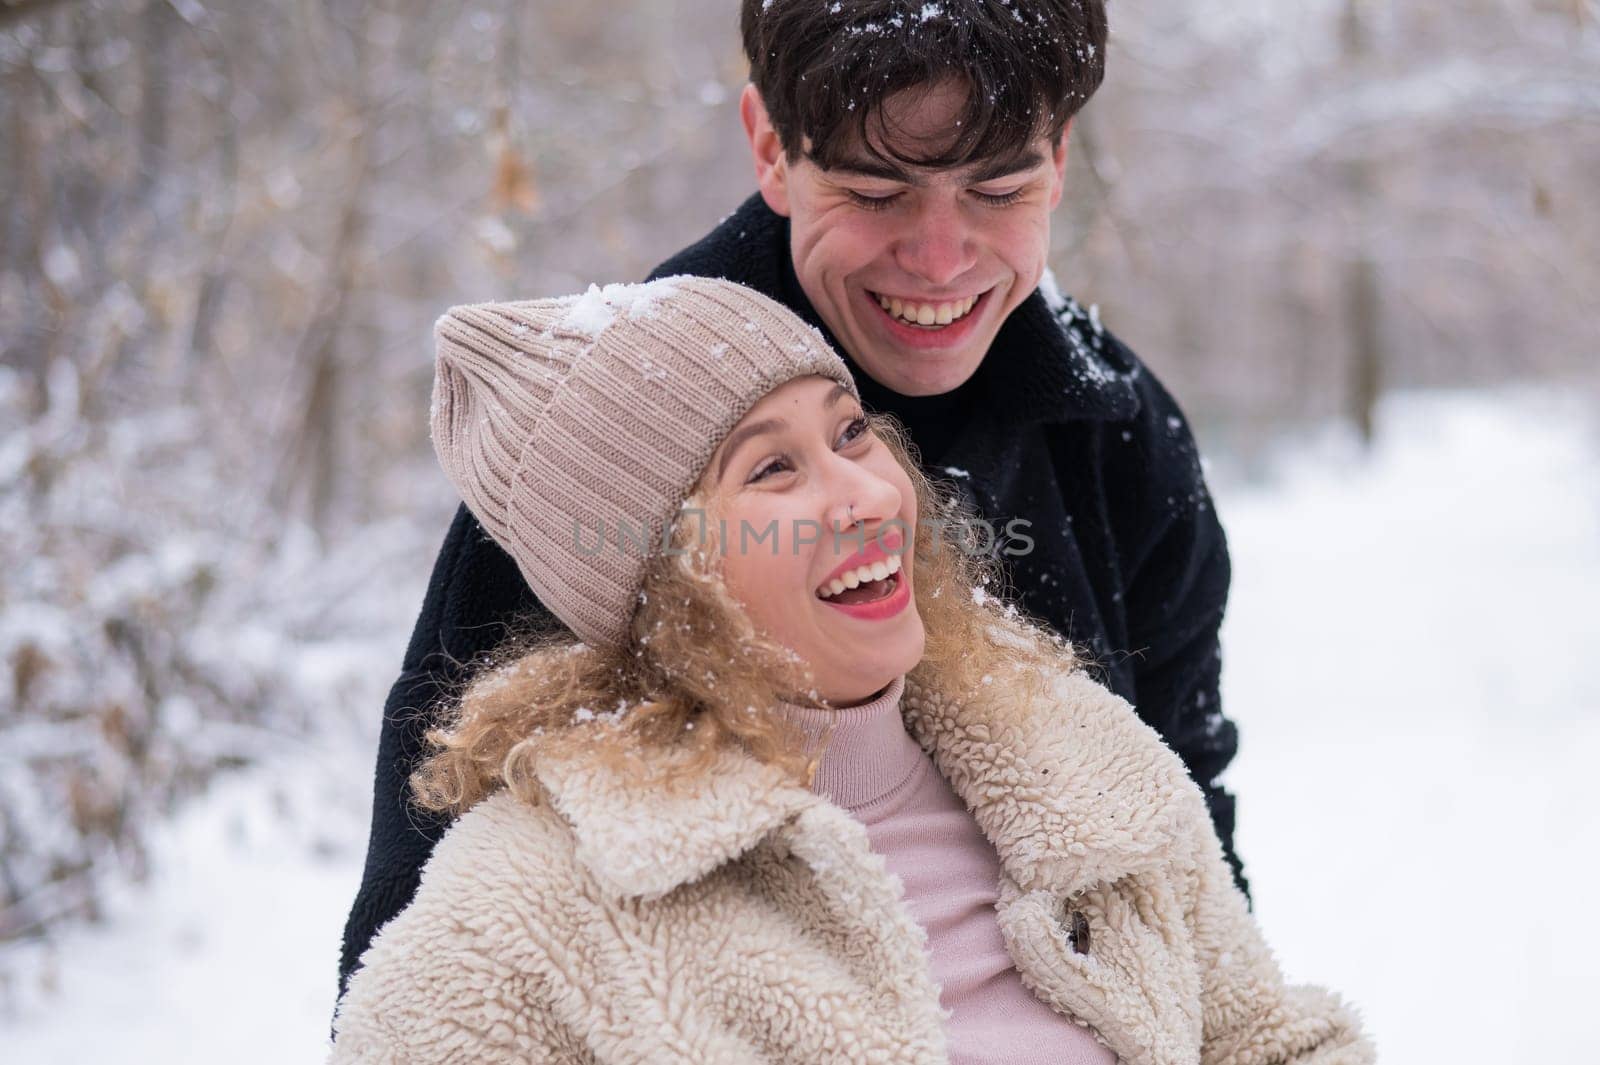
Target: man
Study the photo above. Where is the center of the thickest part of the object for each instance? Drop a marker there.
(908, 157)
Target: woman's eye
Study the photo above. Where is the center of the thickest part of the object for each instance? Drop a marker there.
(854, 431)
(776, 464)
(871, 203)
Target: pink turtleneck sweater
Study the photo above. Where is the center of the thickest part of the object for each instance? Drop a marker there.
(951, 873)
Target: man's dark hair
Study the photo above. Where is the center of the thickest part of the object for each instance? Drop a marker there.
(825, 67)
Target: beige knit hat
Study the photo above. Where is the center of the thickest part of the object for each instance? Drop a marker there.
(562, 420)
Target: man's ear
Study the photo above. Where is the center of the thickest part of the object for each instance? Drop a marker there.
(766, 151)
(1058, 161)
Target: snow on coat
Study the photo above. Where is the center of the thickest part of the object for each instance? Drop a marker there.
(746, 918)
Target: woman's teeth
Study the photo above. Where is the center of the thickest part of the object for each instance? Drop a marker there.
(861, 575)
(933, 314)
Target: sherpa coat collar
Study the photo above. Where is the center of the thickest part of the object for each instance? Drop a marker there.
(745, 918)
(1033, 774)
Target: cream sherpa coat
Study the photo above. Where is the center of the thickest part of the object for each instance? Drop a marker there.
(747, 919)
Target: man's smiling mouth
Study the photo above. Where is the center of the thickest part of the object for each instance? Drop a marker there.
(924, 314)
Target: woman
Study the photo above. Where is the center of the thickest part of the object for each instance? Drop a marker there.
(795, 787)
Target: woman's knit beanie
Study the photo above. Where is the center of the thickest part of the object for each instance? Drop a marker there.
(574, 428)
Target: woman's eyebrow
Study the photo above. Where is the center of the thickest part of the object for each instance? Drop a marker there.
(742, 434)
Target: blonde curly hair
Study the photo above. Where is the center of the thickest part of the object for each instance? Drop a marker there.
(697, 672)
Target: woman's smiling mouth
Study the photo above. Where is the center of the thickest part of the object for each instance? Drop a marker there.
(872, 584)
(863, 584)
(874, 600)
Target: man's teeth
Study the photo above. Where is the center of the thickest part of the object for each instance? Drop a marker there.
(927, 313)
(859, 576)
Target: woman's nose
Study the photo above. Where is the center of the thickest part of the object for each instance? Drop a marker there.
(861, 497)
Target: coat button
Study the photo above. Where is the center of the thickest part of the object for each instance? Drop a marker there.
(1077, 929)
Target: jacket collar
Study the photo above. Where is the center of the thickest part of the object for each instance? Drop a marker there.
(1072, 790)
(642, 840)
(1051, 361)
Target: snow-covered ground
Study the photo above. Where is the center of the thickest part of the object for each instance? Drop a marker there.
(1404, 652)
(1409, 655)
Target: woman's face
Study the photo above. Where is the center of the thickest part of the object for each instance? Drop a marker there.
(780, 491)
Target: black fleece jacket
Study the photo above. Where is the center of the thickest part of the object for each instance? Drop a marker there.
(1061, 426)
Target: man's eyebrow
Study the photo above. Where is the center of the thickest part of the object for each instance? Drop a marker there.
(988, 170)
(999, 168)
(743, 433)
(865, 167)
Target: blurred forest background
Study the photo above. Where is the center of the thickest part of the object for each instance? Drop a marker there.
(228, 227)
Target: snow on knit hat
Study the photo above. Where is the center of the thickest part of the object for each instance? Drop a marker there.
(572, 426)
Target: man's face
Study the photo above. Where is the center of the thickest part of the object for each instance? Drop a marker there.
(914, 270)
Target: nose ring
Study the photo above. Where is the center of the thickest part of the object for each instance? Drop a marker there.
(851, 511)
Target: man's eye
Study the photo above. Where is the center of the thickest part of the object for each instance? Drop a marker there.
(1004, 199)
(871, 203)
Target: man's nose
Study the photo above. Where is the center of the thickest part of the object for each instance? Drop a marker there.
(937, 245)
